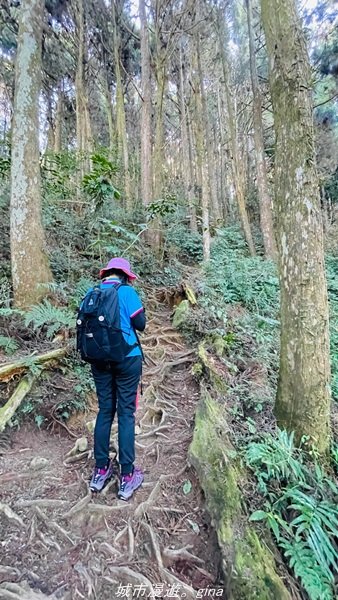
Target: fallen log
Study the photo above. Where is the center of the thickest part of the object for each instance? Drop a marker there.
(10, 370)
(8, 410)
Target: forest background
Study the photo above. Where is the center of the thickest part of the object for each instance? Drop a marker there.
(149, 130)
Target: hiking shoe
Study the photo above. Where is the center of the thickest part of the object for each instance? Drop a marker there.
(130, 483)
(100, 477)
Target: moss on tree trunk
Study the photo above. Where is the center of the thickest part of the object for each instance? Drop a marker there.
(30, 267)
(303, 399)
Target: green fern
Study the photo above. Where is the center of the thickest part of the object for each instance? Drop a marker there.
(8, 344)
(317, 522)
(275, 458)
(314, 580)
(53, 317)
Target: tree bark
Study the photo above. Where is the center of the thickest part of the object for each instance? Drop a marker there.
(201, 154)
(30, 266)
(210, 159)
(146, 159)
(186, 158)
(83, 127)
(265, 209)
(122, 141)
(236, 162)
(153, 235)
(303, 397)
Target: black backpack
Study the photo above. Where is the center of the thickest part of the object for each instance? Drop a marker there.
(99, 337)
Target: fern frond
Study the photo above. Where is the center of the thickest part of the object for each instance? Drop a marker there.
(314, 579)
(45, 314)
(8, 344)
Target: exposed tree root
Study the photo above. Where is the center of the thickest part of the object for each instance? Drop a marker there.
(154, 543)
(41, 502)
(10, 514)
(22, 591)
(53, 525)
(171, 556)
(126, 575)
(78, 506)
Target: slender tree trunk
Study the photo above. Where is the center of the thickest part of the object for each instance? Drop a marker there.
(58, 121)
(122, 140)
(158, 154)
(303, 398)
(153, 234)
(186, 158)
(236, 162)
(30, 267)
(110, 117)
(83, 127)
(208, 143)
(262, 180)
(146, 162)
(201, 155)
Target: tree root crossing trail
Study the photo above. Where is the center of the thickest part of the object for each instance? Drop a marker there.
(61, 541)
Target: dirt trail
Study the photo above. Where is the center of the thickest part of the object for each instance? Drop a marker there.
(60, 541)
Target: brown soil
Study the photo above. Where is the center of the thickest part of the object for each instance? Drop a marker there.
(63, 542)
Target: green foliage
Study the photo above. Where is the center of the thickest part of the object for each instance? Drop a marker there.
(162, 207)
(275, 458)
(235, 277)
(98, 183)
(181, 241)
(53, 318)
(8, 344)
(332, 283)
(5, 165)
(300, 509)
(59, 173)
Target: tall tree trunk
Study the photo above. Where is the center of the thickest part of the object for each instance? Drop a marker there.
(83, 127)
(236, 162)
(262, 181)
(186, 155)
(110, 117)
(208, 142)
(201, 154)
(122, 141)
(146, 162)
(303, 398)
(30, 267)
(153, 234)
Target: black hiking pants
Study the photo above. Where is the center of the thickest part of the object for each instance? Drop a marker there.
(116, 388)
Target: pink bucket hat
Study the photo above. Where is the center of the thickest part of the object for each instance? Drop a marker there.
(119, 263)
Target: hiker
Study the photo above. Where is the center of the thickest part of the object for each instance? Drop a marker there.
(116, 381)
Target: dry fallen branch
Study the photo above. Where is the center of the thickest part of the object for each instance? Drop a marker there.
(10, 370)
